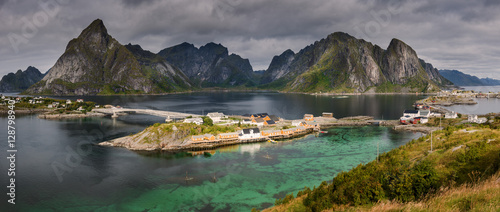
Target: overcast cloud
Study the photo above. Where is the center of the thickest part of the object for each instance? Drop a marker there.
(450, 34)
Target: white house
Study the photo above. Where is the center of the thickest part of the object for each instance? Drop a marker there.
(68, 101)
(452, 115)
(246, 121)
(425, 113)
(475, 119)
(197, 121)
(411, 113)
(216, 117)
(250, 133)
(79, 100)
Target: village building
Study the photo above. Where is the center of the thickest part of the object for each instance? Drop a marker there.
(452, 115)
(250, 133)
(411, 113)
(79, 100)
(197, 138)
(287, 131)
(228, 136)
(68, 101)
(308, 117)
(258, 121)
(425, 113)
(209, 137)
(246, 121)
(475, 119)
(269, 123)
(327, 115)
(296, 123)
(197, 121)
(216, 117)
(271, 132)
(309, 124)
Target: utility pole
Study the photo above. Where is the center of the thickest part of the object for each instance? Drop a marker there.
(431, 141)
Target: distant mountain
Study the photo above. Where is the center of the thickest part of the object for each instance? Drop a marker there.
(210, 65)
(461, 79)
(21, 80)
(95, 63)
(488, 81)
(342, 63)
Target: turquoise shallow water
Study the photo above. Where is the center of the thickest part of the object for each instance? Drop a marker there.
(248, 176)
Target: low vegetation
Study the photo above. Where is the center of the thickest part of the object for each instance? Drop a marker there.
(462, 171)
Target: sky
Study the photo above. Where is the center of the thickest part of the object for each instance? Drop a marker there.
(451, 34)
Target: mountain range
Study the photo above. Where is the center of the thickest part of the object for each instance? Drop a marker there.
(95, 63)
(342, 63)
(461, 79)
(21, 80)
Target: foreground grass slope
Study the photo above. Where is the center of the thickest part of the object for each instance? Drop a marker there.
(461, 171)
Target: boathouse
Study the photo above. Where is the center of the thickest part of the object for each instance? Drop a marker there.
(308, 117)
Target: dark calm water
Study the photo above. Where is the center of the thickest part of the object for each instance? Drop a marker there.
(289, 106)
(59, 167)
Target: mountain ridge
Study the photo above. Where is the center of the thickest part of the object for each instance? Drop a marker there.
(342, 63)
(462, 79)
(21, 80)
(95, 63)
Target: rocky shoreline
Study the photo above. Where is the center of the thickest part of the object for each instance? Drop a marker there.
(69, 116)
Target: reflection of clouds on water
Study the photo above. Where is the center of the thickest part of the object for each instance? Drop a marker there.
(250, 148)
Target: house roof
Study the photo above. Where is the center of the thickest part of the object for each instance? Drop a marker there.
(259, 120)
(274, 117)
(247, 131)
(411, 111)
(262, 114)
(424, 112)
(270, 122)
(208, 135)
(198, 136)
(247, 120)
(311, 123)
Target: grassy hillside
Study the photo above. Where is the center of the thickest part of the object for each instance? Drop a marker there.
(464, 161)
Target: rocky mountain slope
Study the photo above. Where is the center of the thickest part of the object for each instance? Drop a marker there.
(210, 65)
(21, 80)
(95, 63)
(461, 79)
(341, 62)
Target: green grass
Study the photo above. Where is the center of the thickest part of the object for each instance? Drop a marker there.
(411, 174)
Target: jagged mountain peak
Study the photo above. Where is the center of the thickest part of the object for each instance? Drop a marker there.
(95, 63)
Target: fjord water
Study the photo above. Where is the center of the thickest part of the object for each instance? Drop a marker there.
(59, 167)
(288, 106)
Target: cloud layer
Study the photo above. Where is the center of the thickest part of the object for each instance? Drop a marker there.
(451, 34)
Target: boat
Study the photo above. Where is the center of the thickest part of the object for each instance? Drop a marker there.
(323, 131)
(340, 97)
(272, 141)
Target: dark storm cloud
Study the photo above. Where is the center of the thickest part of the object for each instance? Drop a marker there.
(458, 34)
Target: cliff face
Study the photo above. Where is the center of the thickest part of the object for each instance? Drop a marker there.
(95, 63)
(341, 62)
(21, 80)
(210, 65)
